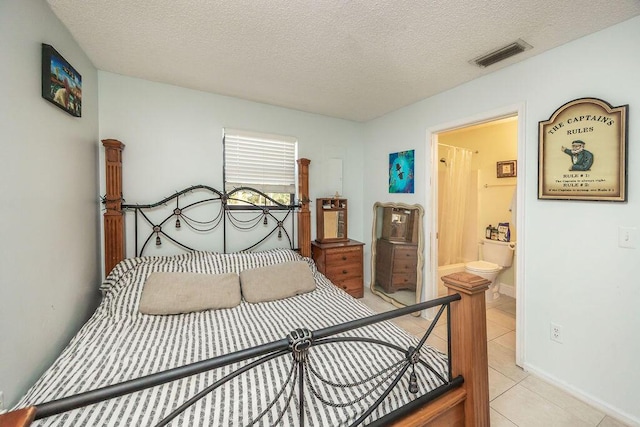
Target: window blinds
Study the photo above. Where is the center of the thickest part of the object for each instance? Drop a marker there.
(262, 161)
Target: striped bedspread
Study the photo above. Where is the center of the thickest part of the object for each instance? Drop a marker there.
(118, 344)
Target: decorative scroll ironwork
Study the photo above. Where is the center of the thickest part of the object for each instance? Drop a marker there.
(229, 211)
(304, 371)
(299, 342)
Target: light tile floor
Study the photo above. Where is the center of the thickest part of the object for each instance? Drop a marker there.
(517, 398)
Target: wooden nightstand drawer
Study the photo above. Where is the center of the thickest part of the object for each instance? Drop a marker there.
(402, 265)
(351, 286)
(403, 280)
(408, 253)
(344, 256)
(342, 272)
(342, 263)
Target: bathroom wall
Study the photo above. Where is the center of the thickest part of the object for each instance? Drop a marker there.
(491, 142)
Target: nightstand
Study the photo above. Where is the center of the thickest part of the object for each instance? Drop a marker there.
(342, 263)
(396, 264)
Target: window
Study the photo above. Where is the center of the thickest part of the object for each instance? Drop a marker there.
(261, 161)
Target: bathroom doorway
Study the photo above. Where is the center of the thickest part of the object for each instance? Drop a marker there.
(475, 169)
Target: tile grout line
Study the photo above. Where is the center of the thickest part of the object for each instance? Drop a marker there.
(556, 405)
(510, 387)
(503, 346)
(505, 417)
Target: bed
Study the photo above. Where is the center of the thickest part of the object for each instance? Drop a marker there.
(271, 352)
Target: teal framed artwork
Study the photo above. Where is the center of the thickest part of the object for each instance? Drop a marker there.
(401, 172)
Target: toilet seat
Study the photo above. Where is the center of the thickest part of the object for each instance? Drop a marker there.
(482, 267)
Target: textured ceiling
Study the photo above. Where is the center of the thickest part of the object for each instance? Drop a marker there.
(355, 60)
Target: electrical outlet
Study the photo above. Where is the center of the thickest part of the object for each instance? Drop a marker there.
(556, 333)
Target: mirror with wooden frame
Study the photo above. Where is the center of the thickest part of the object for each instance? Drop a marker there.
(397, 252)
(331, 217)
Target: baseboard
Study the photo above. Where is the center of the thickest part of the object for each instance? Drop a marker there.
(587, 398)
(508, 290)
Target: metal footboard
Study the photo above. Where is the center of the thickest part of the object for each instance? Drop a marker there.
(303, 375)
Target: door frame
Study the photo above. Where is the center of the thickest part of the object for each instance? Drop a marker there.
(517, 110)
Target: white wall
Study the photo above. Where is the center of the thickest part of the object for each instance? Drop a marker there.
(173, 139)
(49, 260)
(575, 273)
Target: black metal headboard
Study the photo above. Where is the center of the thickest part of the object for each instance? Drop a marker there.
(204, 209)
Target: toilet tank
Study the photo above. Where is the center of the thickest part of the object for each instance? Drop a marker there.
(497, 252)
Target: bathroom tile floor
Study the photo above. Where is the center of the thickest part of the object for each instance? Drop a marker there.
(517, 397)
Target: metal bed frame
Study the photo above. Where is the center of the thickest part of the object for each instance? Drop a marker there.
(277, 219)
(461, 399)
(297, 346)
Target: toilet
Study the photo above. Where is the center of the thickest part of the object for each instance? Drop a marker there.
(496, 255)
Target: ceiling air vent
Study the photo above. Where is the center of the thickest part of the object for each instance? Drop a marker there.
(501, 54)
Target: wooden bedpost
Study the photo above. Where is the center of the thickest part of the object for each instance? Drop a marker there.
(113, 216)
(18, 418)
(469, 343)
(304, 215)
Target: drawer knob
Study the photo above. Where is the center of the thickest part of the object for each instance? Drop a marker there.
(344, 271)
(344, 258)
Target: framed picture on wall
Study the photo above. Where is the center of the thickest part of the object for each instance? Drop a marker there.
(507, 169)
(582, 152)
(401, 172)
(61, 83)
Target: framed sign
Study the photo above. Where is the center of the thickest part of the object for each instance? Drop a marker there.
(582, 152)
(61, 83)
(506, 169)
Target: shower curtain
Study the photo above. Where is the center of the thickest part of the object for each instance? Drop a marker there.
(454, 179)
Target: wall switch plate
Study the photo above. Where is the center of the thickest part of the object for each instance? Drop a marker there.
(556, 333)
(627, 237)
